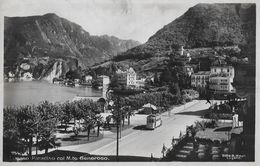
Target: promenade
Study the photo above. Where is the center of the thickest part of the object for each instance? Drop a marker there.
(144, 142)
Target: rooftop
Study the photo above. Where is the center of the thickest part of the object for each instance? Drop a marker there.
(202, 73)
(219, 62)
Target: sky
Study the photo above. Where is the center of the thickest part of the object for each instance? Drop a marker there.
(125, 19)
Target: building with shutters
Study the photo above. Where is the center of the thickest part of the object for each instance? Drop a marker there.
(200, 79)
(131, 77)
(221, 77)
(126, 78)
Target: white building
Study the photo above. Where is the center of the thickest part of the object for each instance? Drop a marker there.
(105, 85)
(25, 66)
(88, 78)
(200, 79)
(131, 77)
(26, 77)
(189, 69)
(127, 78)
(11, 74)
(219, 83)
(184, 54)
(222, 70)
(221, 77)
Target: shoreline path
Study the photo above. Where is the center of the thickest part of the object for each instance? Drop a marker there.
(144, 142)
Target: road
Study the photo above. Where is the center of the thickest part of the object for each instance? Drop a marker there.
(144, 142)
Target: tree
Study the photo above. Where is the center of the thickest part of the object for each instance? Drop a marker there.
(128, 112)
(27, 125)
(47, 141)
(99, 122)
(156, 79)
(175, 89)
(48, 114)
(89, 123)
(166, 77)
(12, 143)
(76, 111)
(108, 119)
(73, 74)
(11, 137)
(66, 114)
(90, 113)
(114, 84)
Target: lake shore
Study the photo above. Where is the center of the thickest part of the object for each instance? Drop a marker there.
(28, 93)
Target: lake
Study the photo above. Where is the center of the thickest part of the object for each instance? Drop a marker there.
(22, 93)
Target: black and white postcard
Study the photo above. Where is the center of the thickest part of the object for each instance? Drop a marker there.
(105, 81)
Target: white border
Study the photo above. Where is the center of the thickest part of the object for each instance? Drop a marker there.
(257, 143)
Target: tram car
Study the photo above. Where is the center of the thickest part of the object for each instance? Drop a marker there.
(153, 121)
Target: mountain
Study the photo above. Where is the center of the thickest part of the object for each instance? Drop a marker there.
(202, 26)
(50, 38)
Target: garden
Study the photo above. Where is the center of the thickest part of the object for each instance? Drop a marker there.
(206, 140)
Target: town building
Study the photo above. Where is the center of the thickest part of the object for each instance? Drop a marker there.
(121, 77)
(105, 85)
(184, 54)
(221, 84)
(189, 69)
(200, 79)
(25, 66)
(27, 77)
(88, 78)
(131, 77)
(220, 67)
(140, 83)
(126, 78)
(221, 77)
(11, 74)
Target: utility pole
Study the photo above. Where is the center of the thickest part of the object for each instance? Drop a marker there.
(117, 130)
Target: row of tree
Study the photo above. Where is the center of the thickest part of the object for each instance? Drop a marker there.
(25, 123)
(126, 105)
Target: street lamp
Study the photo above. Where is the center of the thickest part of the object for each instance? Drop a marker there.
(117, 129)
(118, 119)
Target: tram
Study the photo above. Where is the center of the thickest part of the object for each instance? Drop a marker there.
(153, 121)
